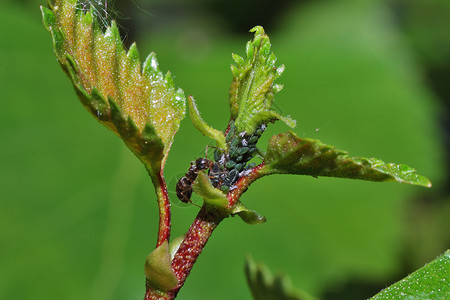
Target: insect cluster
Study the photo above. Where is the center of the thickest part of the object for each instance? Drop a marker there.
(184, 185)
(228, 166)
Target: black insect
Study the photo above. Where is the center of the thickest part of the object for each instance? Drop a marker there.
(216, 175)
(184, 185)
(227, 168)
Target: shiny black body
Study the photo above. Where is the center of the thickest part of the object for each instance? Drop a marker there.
(216, 175)
(184, 185)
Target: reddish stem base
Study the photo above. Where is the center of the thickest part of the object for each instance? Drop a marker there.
(193, 244)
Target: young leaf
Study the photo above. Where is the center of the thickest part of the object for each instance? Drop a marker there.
(289, 154)
(248, 216)
(139, 104)
(203, 187)
(158, 269)
(252, 89)
(264, 286)
(204, 128)
(429, 282)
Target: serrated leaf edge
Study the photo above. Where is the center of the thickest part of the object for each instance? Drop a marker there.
(404, 174)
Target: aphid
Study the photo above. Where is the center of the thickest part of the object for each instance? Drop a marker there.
(234, 142)
(243, 150)
(216, 175)
(217, 155)
(253, 139)
(230, 164)
(184, 185)
(231, 177)
(234, 152)
(239, 167)
(229, 136)
(228, 179)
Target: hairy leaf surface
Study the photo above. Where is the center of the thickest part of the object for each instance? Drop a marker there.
(252, 89)
(289, 154)
(137, 102)
(429, 282)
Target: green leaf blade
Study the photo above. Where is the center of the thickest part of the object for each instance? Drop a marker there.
(250, 217)
(100, 68)
(429, 282)
(204, 128)
(252, 89)
(399, 172)
(289, 154)
(202, 186)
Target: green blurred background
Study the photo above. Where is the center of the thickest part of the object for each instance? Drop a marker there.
(78, 213)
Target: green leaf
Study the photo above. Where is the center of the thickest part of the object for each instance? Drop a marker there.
(203, 187)
(264, 286)
(248, 216)
(204, 128)
(429, 282)
(289, 154)
(138, 103)
(158, 269)
(252, 89)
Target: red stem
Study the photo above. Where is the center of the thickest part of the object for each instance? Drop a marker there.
(193, 244)
(164, 211)
(201, 229)
(243, 184)
(164, 228)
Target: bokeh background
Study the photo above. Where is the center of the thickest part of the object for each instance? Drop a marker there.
(78, 214)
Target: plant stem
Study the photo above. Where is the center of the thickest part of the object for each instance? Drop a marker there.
(243, 184)
(164, 210)
(151, 294)
(201, 229)
(204, 224)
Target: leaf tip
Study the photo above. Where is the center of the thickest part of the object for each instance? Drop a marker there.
(238, 59)
(133, 54)
(426, 182)
(48, 17)
(112, 33)
(151, 65)
(169, 79)
(280, 70)
(258, 30)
